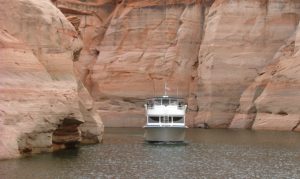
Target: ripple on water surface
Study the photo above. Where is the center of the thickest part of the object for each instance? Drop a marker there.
(208, 154)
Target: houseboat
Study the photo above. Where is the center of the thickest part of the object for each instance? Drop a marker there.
(165, 119)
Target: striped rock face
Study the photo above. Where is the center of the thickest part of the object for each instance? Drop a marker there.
(271, 101)
(242, 38)
(132, 47)
(235, 63)
(214, 52)
(38, 88)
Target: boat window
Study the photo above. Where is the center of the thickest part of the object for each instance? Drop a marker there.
(173, 102)
(157, 101)
(178, 119)
(165, 119)
(153, 119)
(165, 101)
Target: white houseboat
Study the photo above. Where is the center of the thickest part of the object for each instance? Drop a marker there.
(165, 119)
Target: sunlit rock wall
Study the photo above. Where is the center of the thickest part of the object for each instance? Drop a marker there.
(220, 55)
(241, 38)
(273, 96)
(144, 44)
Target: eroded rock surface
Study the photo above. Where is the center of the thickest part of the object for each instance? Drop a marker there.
(38, 88)
(235, 63)
(220, 54)
(241, 38)
(133, 49)
(280, 98)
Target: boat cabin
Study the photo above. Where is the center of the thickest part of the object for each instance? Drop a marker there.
(165, 111)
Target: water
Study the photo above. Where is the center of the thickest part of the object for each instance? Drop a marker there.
(208, 154)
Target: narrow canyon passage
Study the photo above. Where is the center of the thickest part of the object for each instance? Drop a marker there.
(234, 62)
(226, 58)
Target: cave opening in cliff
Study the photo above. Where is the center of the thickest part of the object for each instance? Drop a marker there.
(67, 135)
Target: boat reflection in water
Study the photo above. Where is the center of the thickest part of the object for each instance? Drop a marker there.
(165, 119)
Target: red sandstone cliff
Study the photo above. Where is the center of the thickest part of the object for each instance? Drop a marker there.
(235, 62)
(40, 110)
(221, 55)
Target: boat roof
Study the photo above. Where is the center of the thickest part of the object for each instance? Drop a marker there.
(165, 97)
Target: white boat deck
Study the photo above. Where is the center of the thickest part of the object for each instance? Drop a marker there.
(165, 112)
(169, 110)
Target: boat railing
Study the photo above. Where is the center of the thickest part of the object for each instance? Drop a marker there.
(150, 106)
(181, 107)
(165, 120)
(165, 124)
(175, 103)
(165, 101)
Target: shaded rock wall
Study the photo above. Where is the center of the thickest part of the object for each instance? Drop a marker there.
(38, 89)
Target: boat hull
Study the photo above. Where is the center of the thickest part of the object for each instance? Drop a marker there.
(164, 134)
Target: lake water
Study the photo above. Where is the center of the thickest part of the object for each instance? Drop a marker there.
(207, 154)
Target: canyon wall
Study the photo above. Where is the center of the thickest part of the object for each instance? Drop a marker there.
(133, 49)
(241, 39)
(234, 61)
(271, 101)
(42, 106)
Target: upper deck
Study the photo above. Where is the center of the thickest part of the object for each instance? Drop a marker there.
(166, 106)
(165, 100)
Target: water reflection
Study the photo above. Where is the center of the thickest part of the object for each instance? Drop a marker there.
(66, 154)
(208, 154)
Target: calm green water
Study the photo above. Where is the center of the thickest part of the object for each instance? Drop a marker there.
(208, 154)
